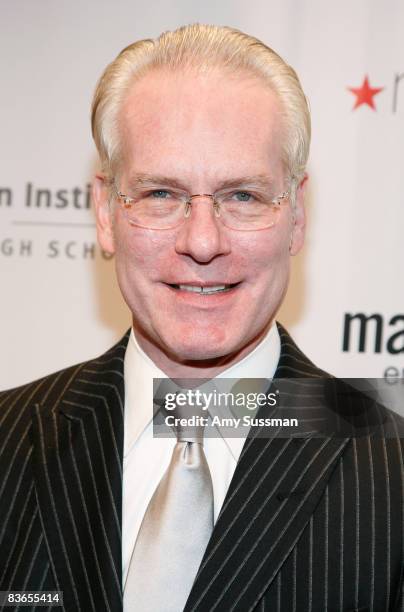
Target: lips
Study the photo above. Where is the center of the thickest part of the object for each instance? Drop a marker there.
(206, 289)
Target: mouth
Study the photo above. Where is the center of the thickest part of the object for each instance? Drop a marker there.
(204, 289)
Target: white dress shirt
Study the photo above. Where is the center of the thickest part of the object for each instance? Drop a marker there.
(146, 458)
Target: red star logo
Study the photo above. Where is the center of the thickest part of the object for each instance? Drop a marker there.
(364, 94)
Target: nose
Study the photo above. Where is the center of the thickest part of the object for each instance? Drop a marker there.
(202, 235)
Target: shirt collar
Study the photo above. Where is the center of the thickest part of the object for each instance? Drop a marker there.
(139, 371)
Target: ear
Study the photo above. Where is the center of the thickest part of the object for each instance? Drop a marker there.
(103, 214)
(299, 219)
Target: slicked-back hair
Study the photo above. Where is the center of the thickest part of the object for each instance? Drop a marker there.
(202, 48)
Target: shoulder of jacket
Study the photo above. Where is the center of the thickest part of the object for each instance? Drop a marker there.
(48, 388)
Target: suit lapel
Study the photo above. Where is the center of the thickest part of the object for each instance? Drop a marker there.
(276, 486)
(78, 442)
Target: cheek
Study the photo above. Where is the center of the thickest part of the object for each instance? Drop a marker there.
(139, 252)
(266, 257)
(136, 258)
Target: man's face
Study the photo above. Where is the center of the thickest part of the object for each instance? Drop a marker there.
(201, 131)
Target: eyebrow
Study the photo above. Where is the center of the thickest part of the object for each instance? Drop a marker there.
(262, 181)
(145, 180)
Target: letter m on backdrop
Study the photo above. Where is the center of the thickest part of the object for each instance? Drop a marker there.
(362, 326)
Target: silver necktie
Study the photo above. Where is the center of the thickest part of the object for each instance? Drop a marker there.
(174, 532)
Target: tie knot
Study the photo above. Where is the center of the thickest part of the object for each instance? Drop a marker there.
(189, 423)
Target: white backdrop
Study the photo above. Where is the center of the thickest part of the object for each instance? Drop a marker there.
(59, 300)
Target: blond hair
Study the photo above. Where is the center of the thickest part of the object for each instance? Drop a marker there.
(202, 47)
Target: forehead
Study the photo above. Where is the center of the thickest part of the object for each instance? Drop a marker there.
(192, 123)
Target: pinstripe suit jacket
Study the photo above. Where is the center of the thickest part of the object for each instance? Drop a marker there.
(308, 524)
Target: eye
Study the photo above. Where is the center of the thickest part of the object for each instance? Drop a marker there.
(242, 196)
(160, 194)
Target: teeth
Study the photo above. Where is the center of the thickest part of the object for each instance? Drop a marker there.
(197, 289)
(190, 288)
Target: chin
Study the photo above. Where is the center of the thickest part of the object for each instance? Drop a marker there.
(204, 347)
(197, 354)
(200, 347)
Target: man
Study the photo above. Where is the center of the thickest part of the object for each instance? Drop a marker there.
(203, 136)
